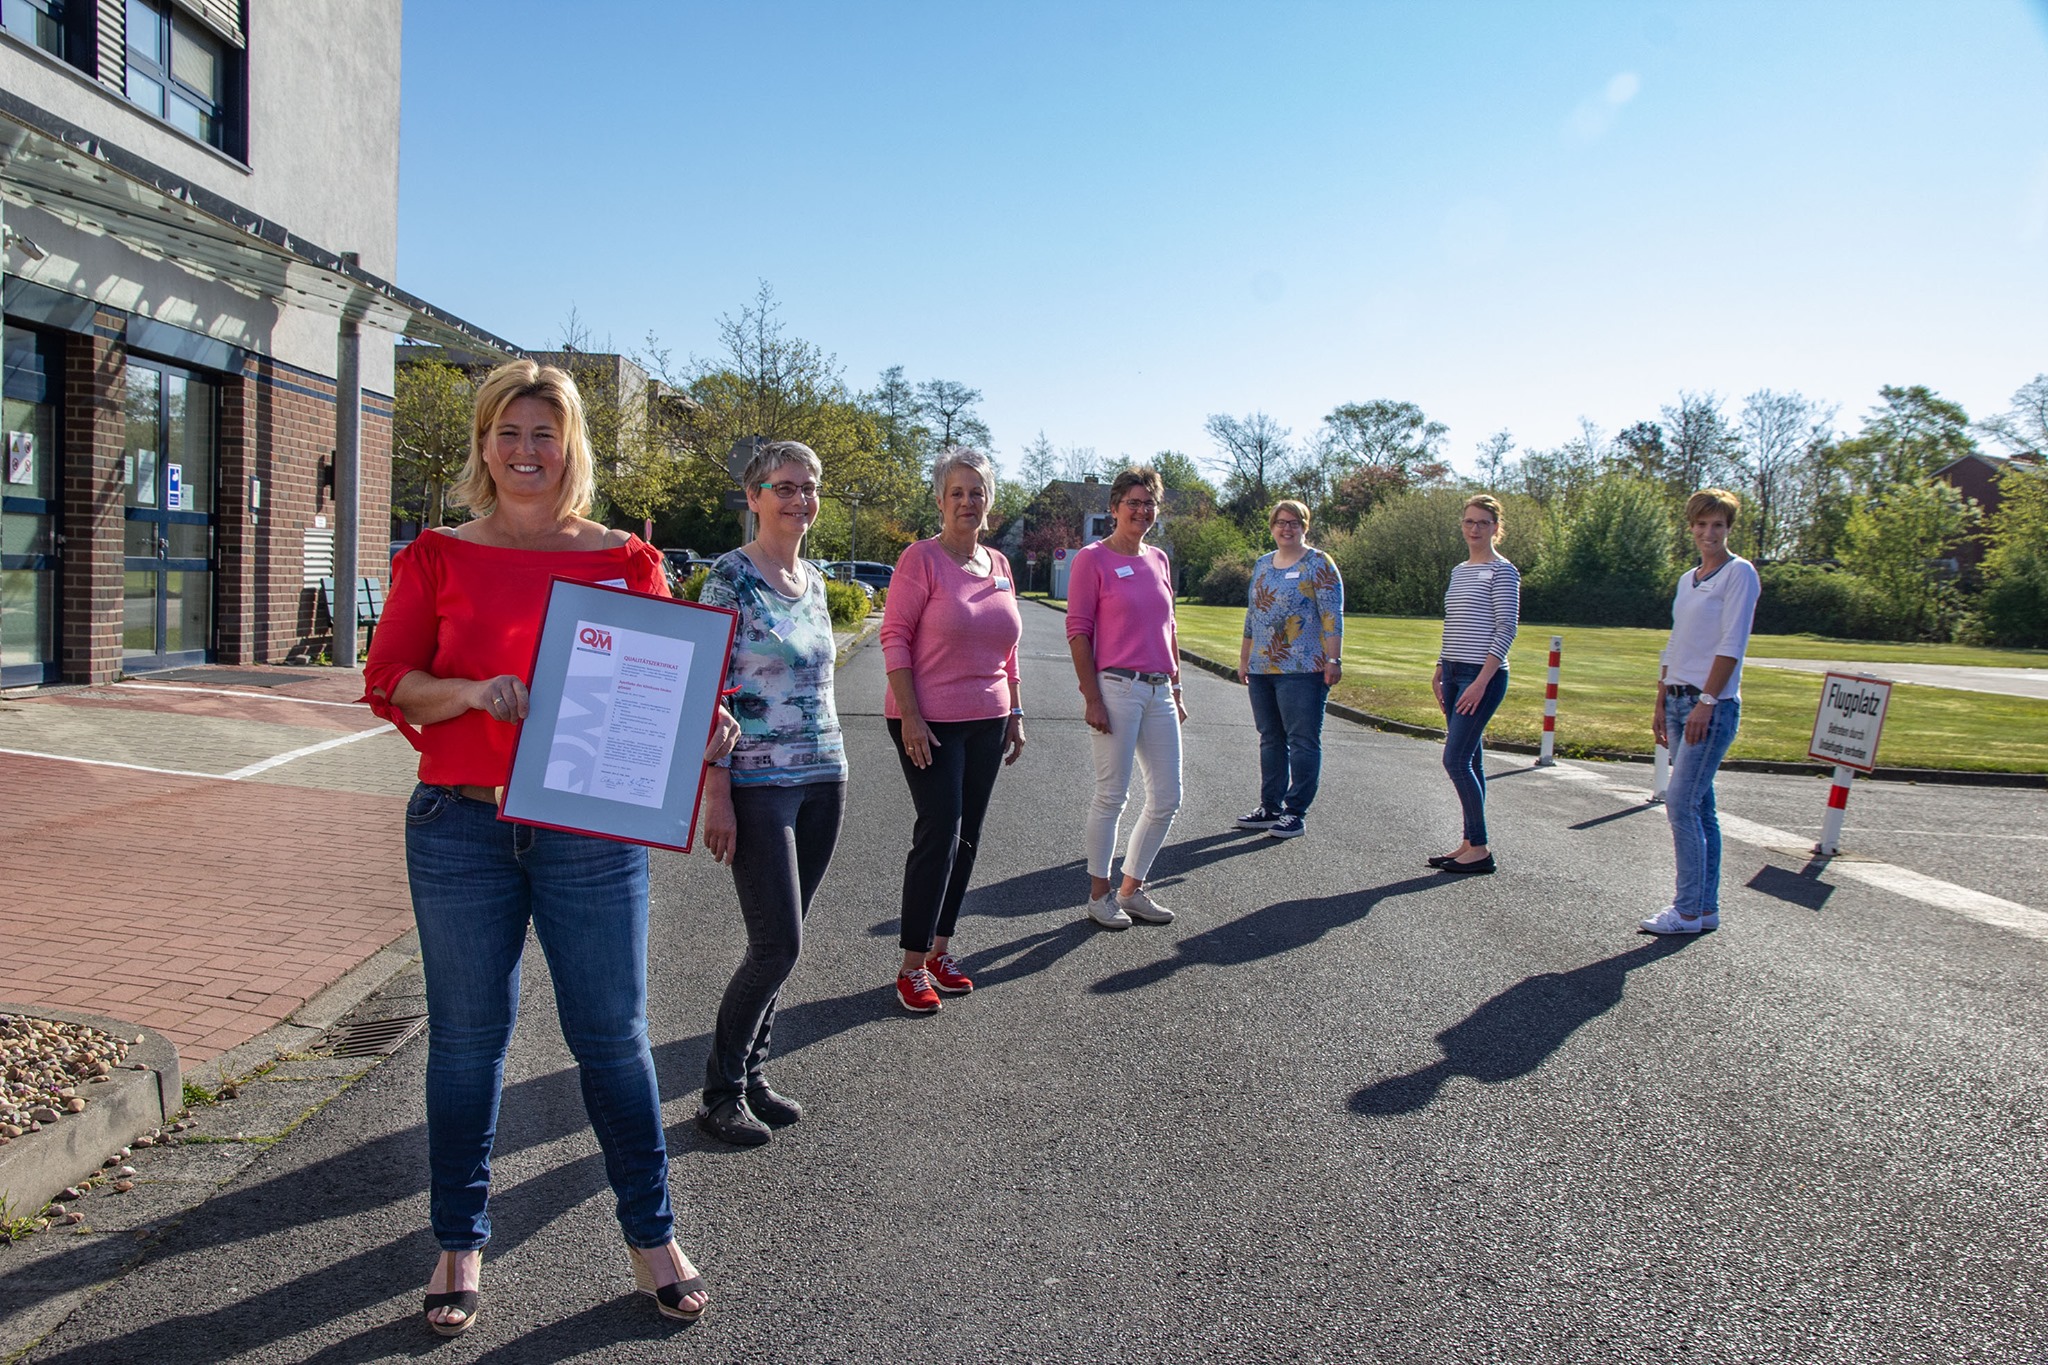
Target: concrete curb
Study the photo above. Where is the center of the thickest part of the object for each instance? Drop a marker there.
(321, 1013)
(35, 1166)
(846, 646)
(1953, 777)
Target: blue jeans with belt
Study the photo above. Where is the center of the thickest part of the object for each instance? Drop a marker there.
(1288, 710)
(1464, 741)
(476, 884)
(1689, 801)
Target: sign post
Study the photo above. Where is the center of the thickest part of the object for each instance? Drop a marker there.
(1846, 728)
(1544, 758)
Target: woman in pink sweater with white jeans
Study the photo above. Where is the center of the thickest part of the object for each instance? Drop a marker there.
(949, 641)
(1126, 650)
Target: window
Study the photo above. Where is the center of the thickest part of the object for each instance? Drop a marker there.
(35, 21)
(177, 71)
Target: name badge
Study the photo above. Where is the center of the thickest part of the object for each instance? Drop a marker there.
(1002, 584)
(1294, 573)
(1123, 571)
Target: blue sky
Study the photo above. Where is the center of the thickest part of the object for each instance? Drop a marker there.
(1117, 219)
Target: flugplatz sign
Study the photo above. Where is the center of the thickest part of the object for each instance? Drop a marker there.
(1851, 717)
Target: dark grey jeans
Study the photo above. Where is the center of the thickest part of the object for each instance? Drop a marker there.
(783, 844)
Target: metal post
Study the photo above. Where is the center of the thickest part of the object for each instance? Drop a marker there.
(1660, 780)
(1544, 758)
(348, 489)
(1838, 807)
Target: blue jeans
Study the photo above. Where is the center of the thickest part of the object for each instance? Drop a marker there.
(1465, 741)
(1689, 803)
(1288, 709)
(476, 882)
(781, 848)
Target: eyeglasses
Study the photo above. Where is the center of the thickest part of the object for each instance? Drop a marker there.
(1139, 504)
(788, 492)
(1279, 522)
(1478, 525)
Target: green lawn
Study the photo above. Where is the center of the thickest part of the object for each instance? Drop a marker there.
(1605, 693)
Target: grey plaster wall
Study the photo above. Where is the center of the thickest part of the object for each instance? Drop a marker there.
(323, 162)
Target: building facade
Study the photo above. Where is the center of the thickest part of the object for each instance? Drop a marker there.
(199, 207)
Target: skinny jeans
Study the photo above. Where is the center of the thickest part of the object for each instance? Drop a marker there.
(781, 847)
(1465, 741)
(951, 795)
(477, 882)
(1689, 802)
(1144, 730)
(1287, 708)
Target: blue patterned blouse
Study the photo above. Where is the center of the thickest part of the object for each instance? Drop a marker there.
(782, 665)
(1289, 611)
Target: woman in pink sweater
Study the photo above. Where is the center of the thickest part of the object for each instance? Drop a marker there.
(1126, 650)
(949, 641)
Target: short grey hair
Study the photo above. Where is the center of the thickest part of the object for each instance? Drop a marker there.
(773, 455)
(952, 458)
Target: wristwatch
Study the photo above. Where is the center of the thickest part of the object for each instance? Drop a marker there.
(1708, 699)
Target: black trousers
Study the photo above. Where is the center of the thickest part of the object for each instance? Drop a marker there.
(785, 840)
(951, 797)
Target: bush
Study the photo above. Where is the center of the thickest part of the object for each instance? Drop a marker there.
(1608, 559)
(1227, 584)
(1820, 600)
(1399, 560)
(1199, 543)
(848, 603)
(2014, 607)
(693, 586)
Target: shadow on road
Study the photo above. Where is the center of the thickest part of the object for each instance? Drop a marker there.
(1020, 957)
(1612, 816)
(1513, 1033)
(1802, 888)
(1266, 932)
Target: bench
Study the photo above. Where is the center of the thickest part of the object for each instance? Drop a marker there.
(369, 605)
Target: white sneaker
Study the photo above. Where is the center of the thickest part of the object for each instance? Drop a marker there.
(1104, 910)
(1669, 921)
(1138, 905)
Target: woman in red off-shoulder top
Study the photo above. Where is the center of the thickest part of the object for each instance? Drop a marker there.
(449, 667)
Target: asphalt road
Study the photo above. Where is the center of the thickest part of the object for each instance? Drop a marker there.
(1343, 1109)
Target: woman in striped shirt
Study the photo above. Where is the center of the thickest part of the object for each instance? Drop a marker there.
(1481, 609)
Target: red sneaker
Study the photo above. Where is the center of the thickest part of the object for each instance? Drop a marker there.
(914, 989)
(947, 976)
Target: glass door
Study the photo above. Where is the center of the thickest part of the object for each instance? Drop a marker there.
(29, 501)
(167, 470)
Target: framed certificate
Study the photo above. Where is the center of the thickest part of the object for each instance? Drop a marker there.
(623, 698)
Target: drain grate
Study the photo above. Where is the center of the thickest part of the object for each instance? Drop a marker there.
(374, 1037)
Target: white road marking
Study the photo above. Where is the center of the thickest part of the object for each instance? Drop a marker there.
(261, 766)
(230, 692)
(267, 764)
(1962, 900)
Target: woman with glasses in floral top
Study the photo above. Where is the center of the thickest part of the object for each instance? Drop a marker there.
(773, 810)
(1291, 656)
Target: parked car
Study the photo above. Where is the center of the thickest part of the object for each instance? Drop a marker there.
(866, 572)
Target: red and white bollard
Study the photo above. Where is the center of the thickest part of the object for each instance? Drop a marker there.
(1838, 808)
(1660, 778)
(1544, 758)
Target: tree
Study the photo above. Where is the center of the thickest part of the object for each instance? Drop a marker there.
(1699, 442)
(1255, 453)
(2015, 599)
(431, 411)
(1782, 435)
(1382, 432)
(1640, 450)
(1608, 556)
(1041, 463)
(1177, 472)
(1911, 433)
(1493, 459)
(894, 402)
(1894, 542)
(2023, 431)
(947, 407)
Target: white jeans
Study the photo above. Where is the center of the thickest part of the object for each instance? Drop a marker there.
(1144, 726)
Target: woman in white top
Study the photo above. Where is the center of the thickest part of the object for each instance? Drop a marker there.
(1699, 703)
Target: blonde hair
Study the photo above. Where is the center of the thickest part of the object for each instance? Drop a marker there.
(503, 387)
(1712, 500)
(1299, 509)
(1490, 505)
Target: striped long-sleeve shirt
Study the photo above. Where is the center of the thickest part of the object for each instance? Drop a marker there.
(1481, 609)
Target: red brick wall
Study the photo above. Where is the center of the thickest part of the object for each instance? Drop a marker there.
(95, 387)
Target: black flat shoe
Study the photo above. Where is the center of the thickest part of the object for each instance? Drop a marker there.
(1467, 869)
(777, 1111)
(1442, 858)
(732, 1122)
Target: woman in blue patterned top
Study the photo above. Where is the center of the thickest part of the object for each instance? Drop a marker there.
(1292, 655)
(1482, 607)
(773, 810)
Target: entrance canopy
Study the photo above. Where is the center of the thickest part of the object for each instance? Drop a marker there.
(98, 189)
